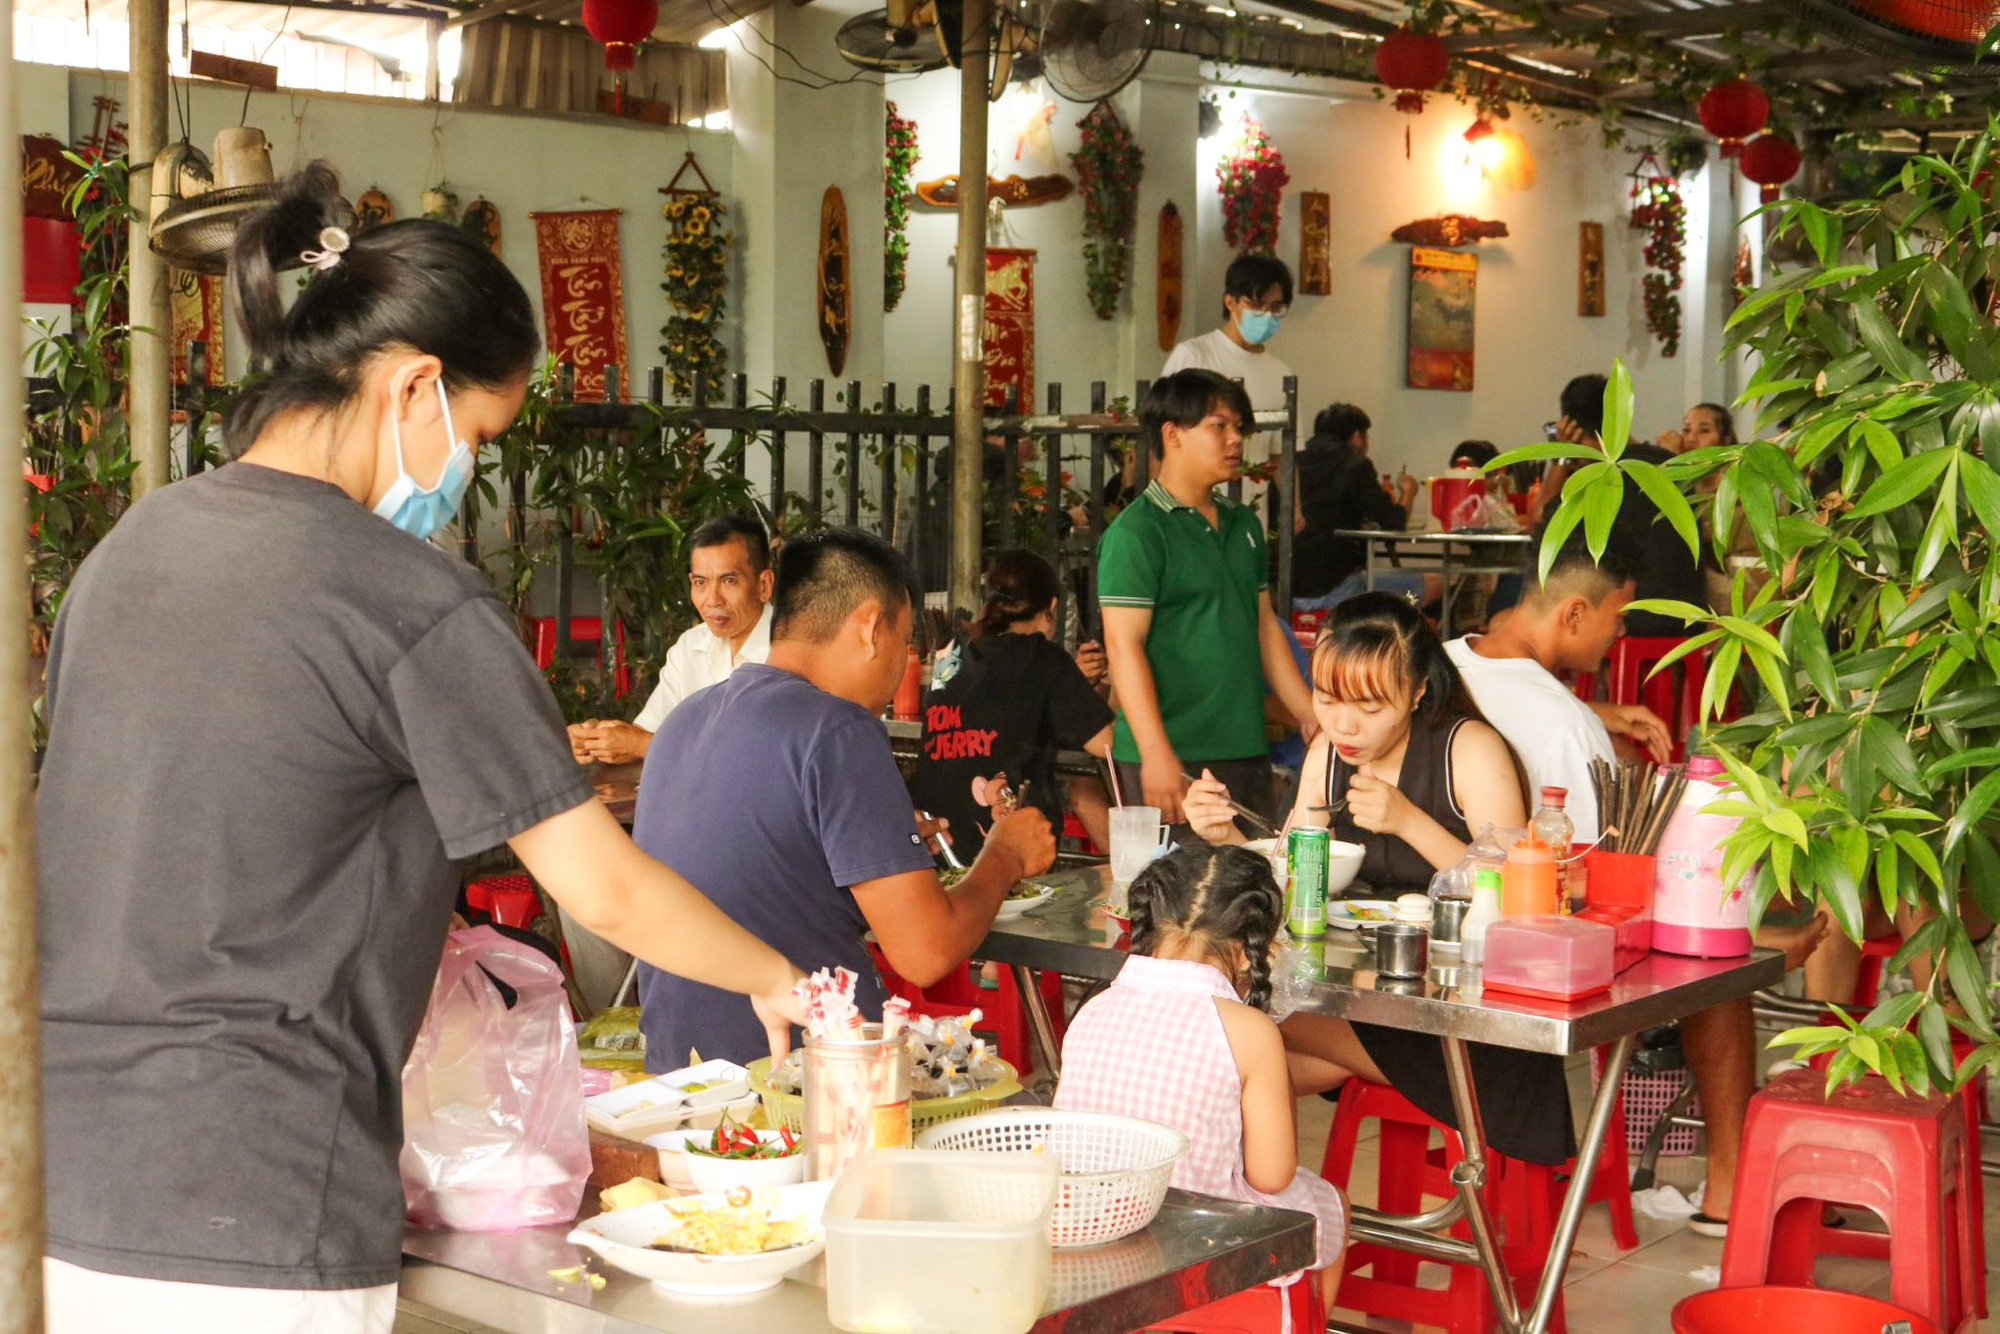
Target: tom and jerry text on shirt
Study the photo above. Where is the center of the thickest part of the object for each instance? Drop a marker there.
(946, 737)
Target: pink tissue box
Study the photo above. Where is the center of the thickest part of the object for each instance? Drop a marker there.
(1551, 958)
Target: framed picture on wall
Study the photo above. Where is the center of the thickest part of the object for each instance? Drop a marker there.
(1315, 243)
(1590, 268)
(1440, 320)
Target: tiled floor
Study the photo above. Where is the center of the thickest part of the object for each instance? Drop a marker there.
(1630, 1292)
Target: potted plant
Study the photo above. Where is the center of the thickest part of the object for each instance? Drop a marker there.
(1868, 764)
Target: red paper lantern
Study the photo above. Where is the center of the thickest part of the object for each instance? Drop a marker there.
(621, 25)
(1771, 160)
(1413, 63)
(1733, 112)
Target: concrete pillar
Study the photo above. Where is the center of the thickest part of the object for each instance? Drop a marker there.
(968, 311)
(152, 322)
(20, 993)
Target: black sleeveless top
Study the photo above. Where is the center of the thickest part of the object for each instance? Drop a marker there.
(1392, 866)
(1523, 1098)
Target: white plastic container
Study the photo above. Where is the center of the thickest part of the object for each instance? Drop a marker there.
(1693, 913)
(1484, 912)
(923, 1241)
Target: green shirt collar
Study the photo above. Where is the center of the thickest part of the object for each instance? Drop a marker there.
(1166, 500)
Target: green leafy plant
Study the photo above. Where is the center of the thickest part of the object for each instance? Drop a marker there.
(79, 449)
(899, 159)
(1108, 166)
(1868, 763)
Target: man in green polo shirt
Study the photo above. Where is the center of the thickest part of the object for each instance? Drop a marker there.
(1188, 625)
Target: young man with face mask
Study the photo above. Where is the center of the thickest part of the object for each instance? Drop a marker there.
(1256, 294)
(778, 789)
(729, 583)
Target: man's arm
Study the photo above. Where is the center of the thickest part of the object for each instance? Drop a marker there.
(1125, 630)
(1281, 672)
(926, 930)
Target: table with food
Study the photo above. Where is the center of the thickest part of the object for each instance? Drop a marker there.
(875, 1180)
(1429, 964)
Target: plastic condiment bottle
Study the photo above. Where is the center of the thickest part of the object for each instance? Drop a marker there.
(1484, 912)
(1553, 826)
(910, 694)
(1528, 880)
(1692, 912)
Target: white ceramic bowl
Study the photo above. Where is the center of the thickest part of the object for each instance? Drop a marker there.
(673, 1161)
(1010, 908)
(624, 1239)
(1343, 860)
(714, 1176)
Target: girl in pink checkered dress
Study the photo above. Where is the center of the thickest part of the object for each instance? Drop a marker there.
(1181, 1037)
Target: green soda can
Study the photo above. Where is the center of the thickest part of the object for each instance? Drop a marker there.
(1306, 851)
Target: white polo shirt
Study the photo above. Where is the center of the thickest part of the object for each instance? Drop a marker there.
(699, 659)
(1555, 733)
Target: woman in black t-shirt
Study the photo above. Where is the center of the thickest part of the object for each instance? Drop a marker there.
(1002, 704)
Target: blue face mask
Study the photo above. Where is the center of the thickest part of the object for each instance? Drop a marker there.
(1257, 327)
(421, 511)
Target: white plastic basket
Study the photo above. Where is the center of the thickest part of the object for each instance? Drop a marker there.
(1115, 1169)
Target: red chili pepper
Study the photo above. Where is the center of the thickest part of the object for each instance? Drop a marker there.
(791, 1141)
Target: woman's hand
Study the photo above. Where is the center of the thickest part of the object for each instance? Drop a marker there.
(1377, 805)
(1091, 662)
(1208, 812)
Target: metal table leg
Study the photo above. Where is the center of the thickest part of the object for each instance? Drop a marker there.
(1444, 604)
(1038, 1019)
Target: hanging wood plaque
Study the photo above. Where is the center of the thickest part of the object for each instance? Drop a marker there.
(1315, 243)
(835, 298)
(1168, 276)
(1590, 268)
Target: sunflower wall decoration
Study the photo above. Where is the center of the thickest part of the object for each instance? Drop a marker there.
(697, 276)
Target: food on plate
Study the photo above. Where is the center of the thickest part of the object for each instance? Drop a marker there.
(732, 1140)
(951, 875)
(631, 1194)
(1027, 890)
(1370, 915)
(741, 1225)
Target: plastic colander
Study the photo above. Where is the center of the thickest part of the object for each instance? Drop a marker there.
(1115, 1169)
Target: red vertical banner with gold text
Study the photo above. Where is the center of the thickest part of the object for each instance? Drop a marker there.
(195, 301)
(1010, 326)
(583, 295)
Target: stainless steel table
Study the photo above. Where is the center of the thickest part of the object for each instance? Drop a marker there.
(1072, 935)
(1447, 553)
(1196, 1251)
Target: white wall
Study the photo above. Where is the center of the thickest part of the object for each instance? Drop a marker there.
(521, 163)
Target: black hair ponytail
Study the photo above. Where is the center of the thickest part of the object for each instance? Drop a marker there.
(1019, 585)
(416, 284)
(1220, 894)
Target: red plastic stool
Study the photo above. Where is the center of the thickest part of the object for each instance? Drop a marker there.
(1263, 1309)
(1525, 1197)
(585, 630)
(1774, 1310)
(1869, 1147)
(1875, 956)
(510, 900)
(1971, 1202)
(1073, 828)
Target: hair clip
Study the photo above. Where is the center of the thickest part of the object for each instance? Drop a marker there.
(333, 244)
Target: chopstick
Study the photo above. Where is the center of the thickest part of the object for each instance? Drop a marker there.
(1240, 809)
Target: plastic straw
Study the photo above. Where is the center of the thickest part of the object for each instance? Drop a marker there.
(1112, 765)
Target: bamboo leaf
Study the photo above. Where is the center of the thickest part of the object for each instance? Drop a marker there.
(1617, 409)
(1666, 497)
(1839, 887)
(1902, 483)
(1879, 337)
(1973, 809)
(1536, 453)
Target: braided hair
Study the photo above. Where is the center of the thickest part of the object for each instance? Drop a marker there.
(1217, 895)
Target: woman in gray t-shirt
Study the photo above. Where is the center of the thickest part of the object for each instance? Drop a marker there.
(276, 717)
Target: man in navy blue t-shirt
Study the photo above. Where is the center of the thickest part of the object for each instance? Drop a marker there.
(776, 794)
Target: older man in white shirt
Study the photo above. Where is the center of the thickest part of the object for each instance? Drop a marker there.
(729, 582)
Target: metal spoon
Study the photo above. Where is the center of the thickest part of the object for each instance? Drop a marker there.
(944, 844)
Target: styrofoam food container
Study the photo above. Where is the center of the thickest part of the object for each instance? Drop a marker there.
(624, 1239)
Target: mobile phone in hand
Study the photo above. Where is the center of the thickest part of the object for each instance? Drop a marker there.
(1548, 430)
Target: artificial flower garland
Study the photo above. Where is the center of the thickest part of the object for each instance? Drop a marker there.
(899, 159)
(1658, 210)
(697, 255)
(1253, 177)
(1108, 166)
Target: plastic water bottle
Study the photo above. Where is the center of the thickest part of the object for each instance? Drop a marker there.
(1553, 826)
(1484, 912)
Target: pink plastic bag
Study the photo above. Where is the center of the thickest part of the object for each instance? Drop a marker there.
(493, 1129)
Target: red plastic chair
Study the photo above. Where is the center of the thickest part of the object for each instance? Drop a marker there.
(510, 900)
(1774, 1310)
(1258, 1310)
(585, 630)
(1525, 1196)
(1631, 660)
(1072, 828)
(1900, 1156)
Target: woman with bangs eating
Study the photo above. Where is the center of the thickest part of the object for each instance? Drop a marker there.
(1414, 771)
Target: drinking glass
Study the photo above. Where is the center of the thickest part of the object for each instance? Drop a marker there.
(1135, 836)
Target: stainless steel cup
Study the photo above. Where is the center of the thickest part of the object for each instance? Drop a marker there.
(1401, 950)
(1447, 913)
